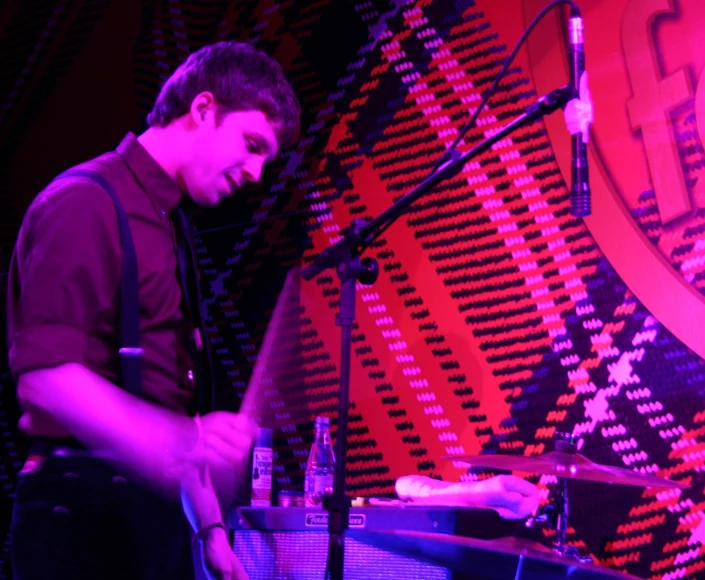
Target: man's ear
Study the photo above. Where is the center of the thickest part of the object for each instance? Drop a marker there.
(203, 108)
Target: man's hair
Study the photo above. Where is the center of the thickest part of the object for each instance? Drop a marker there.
(241, 78)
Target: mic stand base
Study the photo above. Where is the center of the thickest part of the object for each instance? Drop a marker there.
(338, 509)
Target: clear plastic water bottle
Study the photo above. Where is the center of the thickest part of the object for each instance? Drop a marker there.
(320, 469)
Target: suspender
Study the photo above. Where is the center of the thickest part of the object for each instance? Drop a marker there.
(130, 351)
(188, 273)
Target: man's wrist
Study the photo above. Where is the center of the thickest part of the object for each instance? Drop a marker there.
(205, 531)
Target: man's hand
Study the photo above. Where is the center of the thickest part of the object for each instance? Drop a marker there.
(225, 439)
(510, 496)
(223, 444)
(219, 560)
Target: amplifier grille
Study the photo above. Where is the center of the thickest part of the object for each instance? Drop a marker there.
(302, 556)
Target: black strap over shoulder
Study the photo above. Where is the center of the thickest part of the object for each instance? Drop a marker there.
(130, 351)
(188, 272)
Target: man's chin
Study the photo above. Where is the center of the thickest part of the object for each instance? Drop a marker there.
(221, 196)
(209, 200)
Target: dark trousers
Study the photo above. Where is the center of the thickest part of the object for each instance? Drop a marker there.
(76, 519)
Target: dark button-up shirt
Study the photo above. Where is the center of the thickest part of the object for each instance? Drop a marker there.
(63, 297)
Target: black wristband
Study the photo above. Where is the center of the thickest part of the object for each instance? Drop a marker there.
(202, 534)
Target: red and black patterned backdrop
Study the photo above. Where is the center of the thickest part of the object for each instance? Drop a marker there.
(498, 318)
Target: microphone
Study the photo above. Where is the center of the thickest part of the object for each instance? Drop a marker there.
(580, 187)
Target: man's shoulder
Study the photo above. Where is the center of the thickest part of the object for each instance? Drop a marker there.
(78, 194)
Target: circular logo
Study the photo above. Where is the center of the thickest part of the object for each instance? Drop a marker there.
(646, 63)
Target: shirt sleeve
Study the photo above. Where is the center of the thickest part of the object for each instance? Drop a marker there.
(64, 276)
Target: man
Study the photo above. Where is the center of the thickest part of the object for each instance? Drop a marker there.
(94, 498)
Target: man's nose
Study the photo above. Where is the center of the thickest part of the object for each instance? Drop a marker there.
(252, 171)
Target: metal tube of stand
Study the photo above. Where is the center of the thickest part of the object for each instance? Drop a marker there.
(338, 505)
(563, 514)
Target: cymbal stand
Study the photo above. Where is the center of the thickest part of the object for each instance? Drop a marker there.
(557, 517)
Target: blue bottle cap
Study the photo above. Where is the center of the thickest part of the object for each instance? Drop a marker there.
(322, 421)
(264, 437)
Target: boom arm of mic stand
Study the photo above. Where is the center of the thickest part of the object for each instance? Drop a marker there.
(357, 237)
(344, 256)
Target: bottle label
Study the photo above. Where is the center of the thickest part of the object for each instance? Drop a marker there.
(315, 486)
(262, 476)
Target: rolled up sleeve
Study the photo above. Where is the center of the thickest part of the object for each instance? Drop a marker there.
(64, 276)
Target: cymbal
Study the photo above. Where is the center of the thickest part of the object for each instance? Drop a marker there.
(491, 559)
(568, 465)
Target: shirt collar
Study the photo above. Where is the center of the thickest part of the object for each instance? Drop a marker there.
(161, 189)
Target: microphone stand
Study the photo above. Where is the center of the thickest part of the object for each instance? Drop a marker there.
(344, 256)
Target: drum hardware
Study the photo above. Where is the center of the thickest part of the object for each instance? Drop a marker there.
(565, 463)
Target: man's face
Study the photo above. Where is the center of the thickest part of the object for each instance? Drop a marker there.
(228, 154)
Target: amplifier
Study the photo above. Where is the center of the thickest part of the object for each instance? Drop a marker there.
(291, 543)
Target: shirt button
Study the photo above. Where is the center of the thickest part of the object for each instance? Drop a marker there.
(190, 378)
(162, 212)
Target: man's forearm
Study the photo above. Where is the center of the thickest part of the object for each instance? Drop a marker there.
(199, 498)
(146, 439)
